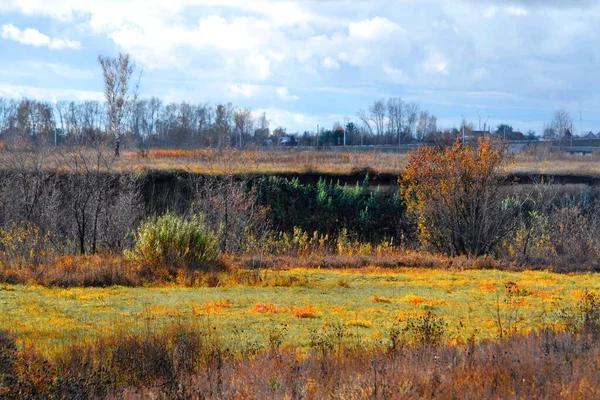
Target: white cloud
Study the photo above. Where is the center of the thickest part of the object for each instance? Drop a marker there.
(516, 11)
(284, 94)
(395, 75)
(272, 44)
(242, 90)
(330, 63)
(436, 63)
(33, 37)
(259, 66)
(44, 93)
(375, 28)
(288, 119)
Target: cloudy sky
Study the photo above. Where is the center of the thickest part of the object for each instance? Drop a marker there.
(309, 62)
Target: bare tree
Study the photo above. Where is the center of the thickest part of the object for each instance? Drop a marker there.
(431, 125)
(99, 206)
(203, 120)
(561, 123)
(231, 208)
(120, 96)
(366, 120)
(396, 118)
(223, 124)
(243, 124)
(411, 111)
(378, 114)
(262, 129)
(422, 125)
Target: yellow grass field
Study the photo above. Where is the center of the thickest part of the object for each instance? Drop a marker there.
(366, 301)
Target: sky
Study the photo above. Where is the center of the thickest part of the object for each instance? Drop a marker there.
(319, 62)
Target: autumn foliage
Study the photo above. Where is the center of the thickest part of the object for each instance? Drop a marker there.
(455, 195)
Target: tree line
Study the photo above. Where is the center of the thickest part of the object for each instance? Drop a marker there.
(153, 123)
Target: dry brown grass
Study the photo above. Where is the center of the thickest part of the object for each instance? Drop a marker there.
(102, 270)
(192, 363)
(232, 161)
(295, 161)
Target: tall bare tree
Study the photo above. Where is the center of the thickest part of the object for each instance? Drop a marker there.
(120, 95)
(366, 120)
(396, 118)
(243, 121)
(378, 114)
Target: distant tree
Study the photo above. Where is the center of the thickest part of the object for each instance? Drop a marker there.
(223, 124)
(244, 124)
(396, 118)
(352, 133)
(262, 129)
(504, 131)
(278, 133)
(120, 95)
(561, 123)
(549, 132)
(366, 120)
(426, 125)
(411, 110)
(378, 114)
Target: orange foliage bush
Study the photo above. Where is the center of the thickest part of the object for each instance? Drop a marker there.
(454, 194)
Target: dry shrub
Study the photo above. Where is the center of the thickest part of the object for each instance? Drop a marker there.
(454, 195)
(24, 244)
(70, 271)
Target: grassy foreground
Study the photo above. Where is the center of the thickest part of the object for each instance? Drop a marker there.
(367, 301)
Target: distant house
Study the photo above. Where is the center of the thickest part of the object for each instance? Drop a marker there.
(590, 135)
(517, 135)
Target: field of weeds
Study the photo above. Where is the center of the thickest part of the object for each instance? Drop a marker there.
(232, 161)
(333, 162)
(299, 303)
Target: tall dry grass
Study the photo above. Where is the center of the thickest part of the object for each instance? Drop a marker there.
(187, 362)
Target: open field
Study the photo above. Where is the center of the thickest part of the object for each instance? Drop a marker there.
(367, 301)
(330, 162)
(300, 161)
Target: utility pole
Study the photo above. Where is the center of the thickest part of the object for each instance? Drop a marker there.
(463, 128)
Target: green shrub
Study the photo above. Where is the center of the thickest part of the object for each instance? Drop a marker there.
(175, 241)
